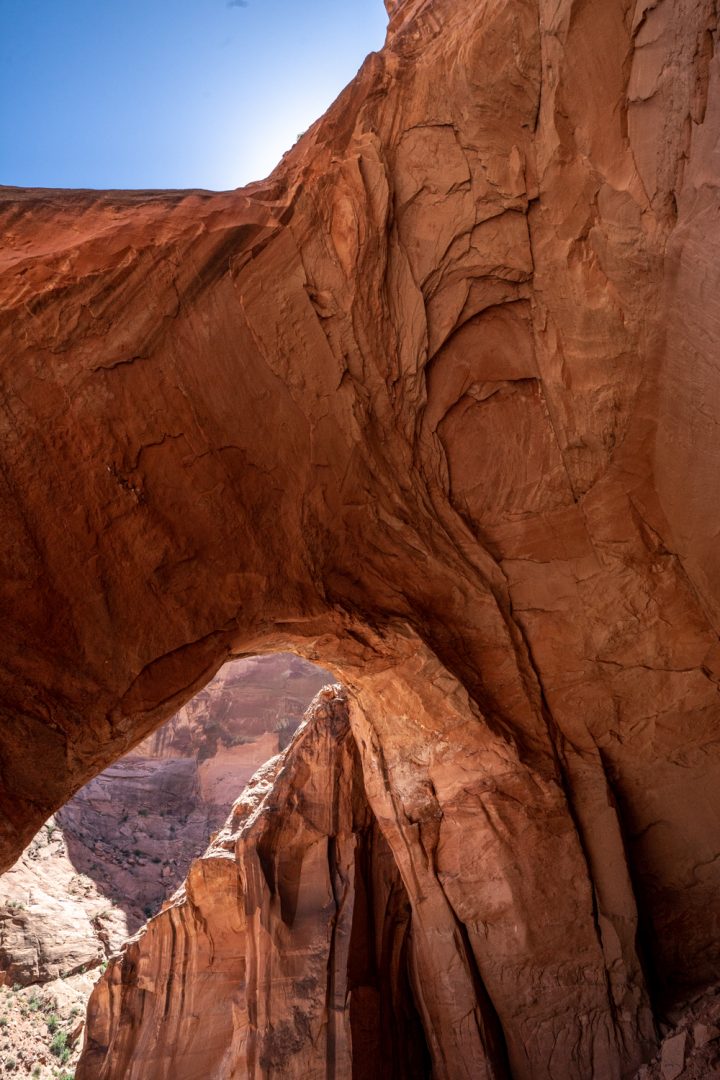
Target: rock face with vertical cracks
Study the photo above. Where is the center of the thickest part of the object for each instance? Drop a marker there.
(286, 952)
(437, 405)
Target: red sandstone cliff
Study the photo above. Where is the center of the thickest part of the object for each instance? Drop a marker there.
(287, 945)
(437, 405)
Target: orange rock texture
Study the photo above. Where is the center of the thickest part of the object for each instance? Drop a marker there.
(286, 950)
(435, 405)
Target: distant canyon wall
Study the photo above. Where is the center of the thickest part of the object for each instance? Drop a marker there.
(98, 869)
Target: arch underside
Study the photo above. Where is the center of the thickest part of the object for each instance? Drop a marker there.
(434, 405)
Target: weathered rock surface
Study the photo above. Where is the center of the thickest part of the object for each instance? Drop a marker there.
(54, 920)
(436, 405)
(691, 1050)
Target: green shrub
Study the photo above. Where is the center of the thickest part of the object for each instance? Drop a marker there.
(10, 1064)
(59, 1046)
(3, 1021)
(52, 1023)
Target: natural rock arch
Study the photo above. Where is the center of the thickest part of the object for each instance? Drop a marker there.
(434, 405)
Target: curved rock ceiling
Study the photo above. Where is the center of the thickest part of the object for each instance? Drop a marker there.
(437, 406)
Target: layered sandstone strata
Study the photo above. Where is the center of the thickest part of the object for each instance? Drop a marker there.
(436, 405)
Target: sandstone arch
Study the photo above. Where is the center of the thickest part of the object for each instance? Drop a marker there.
(436, 405)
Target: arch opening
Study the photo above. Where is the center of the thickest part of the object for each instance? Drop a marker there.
(73, 910)
(129, 834)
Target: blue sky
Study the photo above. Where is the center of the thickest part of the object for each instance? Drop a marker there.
(169, 93)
